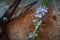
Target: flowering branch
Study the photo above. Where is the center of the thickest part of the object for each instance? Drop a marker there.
(40, 13)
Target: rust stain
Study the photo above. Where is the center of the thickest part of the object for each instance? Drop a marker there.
(18, 29)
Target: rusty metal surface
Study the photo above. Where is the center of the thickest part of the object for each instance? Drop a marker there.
(19, 28)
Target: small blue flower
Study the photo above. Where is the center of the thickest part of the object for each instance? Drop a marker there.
(38, 15)
(32, 34)
(38, 9)
(45, 9)
(39, 22)
(34, 20)
(40, 12)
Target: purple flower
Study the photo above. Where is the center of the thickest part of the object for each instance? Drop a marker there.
(34, 20)
(32, 34)
(40, 12)
(39, 22)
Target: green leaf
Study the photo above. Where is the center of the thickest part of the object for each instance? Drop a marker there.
(45, 2)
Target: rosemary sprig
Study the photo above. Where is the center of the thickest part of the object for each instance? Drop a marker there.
(40, 13)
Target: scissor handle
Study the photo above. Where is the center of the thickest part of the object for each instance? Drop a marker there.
(3, 27)
(7, 16)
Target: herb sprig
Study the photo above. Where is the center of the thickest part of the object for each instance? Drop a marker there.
(40, 13)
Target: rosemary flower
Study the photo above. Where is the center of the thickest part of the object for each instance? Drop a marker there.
(32, 35)
(39, 22)
(40, 12)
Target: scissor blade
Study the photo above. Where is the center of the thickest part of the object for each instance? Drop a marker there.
(11, 9)
(25, 9)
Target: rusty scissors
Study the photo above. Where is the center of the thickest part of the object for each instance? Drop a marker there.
(6, 18)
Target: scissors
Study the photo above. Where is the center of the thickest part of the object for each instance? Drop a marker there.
(6, 18)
